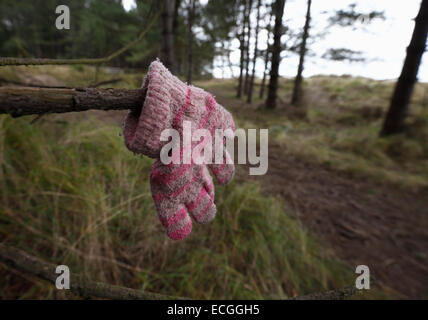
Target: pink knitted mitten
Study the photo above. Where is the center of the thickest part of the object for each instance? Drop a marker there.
(178, 189)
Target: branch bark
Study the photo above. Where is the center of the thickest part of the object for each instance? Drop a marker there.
(25, 101)
(24, 262)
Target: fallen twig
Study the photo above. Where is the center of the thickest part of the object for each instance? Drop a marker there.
(102, 83)
(79, 284)
(338, 294)
(37, 118)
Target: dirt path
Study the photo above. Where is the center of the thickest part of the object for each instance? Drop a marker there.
(382, 228)
(364, 223)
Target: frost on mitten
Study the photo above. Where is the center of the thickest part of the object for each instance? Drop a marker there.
(168, 103)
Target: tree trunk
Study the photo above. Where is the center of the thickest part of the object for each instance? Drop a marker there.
(175, 19)
(168, 35)
(267, 55)
(394, 121)
(251, 85)
(242, 51)
(276, 54)
(247, 48)
(191, 11)
(297, 90)
(179, 55)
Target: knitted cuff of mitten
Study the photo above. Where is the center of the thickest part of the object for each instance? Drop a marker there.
(143, 127)
(167, 103)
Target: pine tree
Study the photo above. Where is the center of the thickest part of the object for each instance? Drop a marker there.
(242, 50)
(251, 85)
(267, 58)
(278, 10)
(297, 94)
(167, 53)
(396, 116)
(191, 12)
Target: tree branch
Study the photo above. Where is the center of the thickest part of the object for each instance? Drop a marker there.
(8, 61)
(25, 101)
(338, 294)
(103, 83)
(24, 262)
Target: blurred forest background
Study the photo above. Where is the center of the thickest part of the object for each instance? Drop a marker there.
(348, 156)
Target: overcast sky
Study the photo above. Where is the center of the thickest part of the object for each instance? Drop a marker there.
(383, 43)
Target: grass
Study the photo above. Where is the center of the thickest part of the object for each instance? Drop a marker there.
(339, 124)
(72, 194)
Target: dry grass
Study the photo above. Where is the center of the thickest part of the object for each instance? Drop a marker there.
(72, 194)
(339, 126)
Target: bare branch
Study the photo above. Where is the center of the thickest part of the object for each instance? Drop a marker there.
(26, 263)
(21, 101)
(103, 83)
(339, 294)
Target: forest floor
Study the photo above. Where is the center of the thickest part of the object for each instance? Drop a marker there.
(366, 221)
